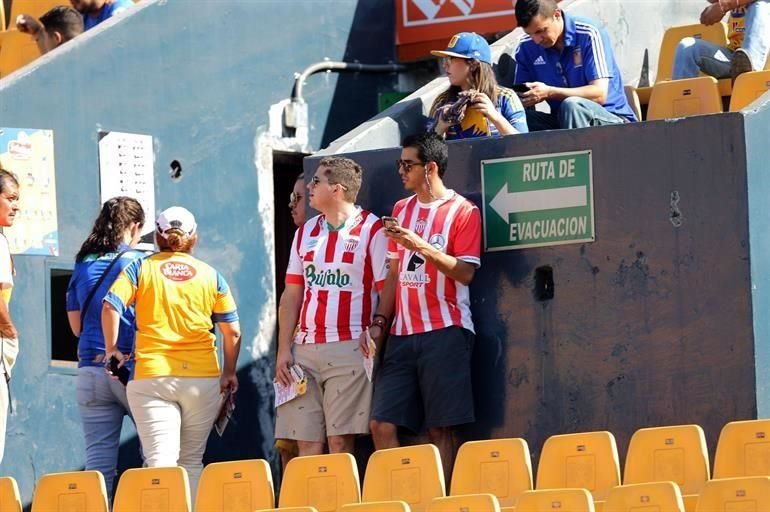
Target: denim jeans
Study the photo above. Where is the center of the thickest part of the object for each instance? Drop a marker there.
(573, 112)
(695, 55)
(103, 404)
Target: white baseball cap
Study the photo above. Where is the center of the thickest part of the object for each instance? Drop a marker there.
(175, 217)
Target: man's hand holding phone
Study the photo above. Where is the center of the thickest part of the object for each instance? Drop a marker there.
(391, 224)
(535, 93)
(404, 237)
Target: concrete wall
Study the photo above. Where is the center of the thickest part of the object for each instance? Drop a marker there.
(651, 324)
(757, 127)
(637, 25)
(199, 77)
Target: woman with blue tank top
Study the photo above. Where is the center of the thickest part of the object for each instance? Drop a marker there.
(101, 398)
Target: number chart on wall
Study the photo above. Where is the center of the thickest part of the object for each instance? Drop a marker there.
(126, 169)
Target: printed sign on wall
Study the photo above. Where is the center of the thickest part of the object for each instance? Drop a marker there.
(28, 153)
(423, 25)
(537, 200)
(126, 169)
(432, 12)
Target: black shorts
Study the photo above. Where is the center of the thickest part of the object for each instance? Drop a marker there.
(425, 380)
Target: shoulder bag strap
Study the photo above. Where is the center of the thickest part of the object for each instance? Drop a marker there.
(98, 284)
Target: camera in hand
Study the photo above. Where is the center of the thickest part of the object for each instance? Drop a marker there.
(121, 373)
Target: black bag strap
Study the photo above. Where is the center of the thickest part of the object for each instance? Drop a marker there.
(98, 284)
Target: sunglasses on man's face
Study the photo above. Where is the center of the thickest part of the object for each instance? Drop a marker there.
(294, 198)
(315, 181)
(407, 164)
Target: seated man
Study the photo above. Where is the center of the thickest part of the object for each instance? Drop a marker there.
(97, 11)
(568, 62)
(54, 28)
(747, 50)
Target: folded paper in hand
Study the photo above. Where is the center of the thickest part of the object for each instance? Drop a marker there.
(225, 413)
(297, 387)
(369, 360)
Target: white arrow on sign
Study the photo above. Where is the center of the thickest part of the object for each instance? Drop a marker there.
(505, 203)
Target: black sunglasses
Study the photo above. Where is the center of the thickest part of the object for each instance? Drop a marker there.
(406, 164)
(315, 180)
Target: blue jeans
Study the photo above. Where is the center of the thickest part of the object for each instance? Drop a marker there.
(573, 112)
(103, 404)
(695, 55)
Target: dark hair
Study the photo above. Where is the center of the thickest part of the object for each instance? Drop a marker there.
(430, 147)
(528, 9)
(64, 20)
(301, 176)
(177, 241)
(114, 219)
(343, 171)
(481, 77)
(5, 177)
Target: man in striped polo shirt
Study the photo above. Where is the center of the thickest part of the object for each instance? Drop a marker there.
(336, 271)
(568, 62)
(433, 253)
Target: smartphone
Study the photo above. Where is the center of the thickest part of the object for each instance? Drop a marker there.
(121, 373)
(519, 88)
(390, 223)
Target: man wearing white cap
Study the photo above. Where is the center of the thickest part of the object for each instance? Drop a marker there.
(178, 387)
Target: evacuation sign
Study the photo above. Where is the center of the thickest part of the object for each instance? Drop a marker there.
(537, 200)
